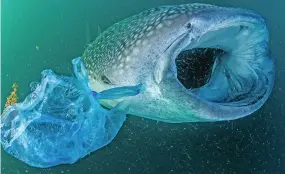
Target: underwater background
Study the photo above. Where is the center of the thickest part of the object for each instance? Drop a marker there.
(38, 35)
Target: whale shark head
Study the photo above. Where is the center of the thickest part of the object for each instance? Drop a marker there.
(197, 62)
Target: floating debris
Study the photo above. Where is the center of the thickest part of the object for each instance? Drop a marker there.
(12, 98)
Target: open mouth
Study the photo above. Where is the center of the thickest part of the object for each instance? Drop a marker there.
(229, 65)
(194, 66)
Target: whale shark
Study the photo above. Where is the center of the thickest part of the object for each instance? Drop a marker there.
(195, 62)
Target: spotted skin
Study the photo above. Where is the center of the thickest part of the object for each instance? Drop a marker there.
(117, 50)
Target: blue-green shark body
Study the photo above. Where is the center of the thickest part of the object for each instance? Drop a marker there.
(196, 62)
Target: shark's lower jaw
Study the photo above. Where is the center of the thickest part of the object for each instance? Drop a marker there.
(229, 66)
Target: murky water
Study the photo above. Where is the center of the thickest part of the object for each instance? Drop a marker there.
(37, 35)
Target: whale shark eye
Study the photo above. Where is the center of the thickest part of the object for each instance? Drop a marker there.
(106, 80)
(189, 25)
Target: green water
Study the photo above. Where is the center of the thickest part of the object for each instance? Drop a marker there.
(61, 29)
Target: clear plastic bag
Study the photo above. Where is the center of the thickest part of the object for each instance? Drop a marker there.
(62, 120)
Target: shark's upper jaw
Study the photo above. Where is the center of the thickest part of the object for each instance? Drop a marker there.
(226, 60)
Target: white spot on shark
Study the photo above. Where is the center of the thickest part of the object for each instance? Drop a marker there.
(145, 27)
(145, 42)
(128, 58)
(150, 33)
(148, 28)
(158, 19)
(126, 52)
(121, 65)
(159, 26)
(138, 42)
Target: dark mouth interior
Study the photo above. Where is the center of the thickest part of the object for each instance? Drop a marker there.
(194, 67)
